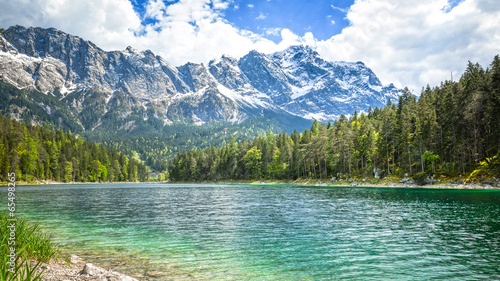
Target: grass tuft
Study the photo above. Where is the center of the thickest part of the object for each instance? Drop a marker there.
(32, 248)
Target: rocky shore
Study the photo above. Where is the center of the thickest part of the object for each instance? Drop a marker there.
(370, 182)
(75, 269)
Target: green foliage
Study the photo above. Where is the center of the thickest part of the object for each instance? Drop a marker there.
(420, 178)
(36, 108)
(450, 129)
(32, 246)
(39, 153)
(156, 149)
(253, 161)
(490, 167)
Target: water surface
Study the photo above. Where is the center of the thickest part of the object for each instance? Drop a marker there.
(252, 232)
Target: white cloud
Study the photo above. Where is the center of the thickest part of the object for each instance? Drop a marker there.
(343, 10)
(188, 30)
(416, 42)
(275, 31)
(261, 17)
(193, 30)
(251, 5)
(105, 22)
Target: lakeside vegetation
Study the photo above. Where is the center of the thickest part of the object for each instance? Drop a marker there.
(32, 247)
(37, 153)
(452, 130)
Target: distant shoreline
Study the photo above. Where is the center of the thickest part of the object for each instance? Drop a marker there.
(51, 182)
(367, 183)
(442, 185)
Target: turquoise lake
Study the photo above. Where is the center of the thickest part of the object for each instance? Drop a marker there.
(266, 232)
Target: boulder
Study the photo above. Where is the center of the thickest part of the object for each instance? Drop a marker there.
(92, 270)
(404, 180)
(487, 183)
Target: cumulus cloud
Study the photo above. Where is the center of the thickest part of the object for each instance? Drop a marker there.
(187, 30)
(195, 31)
(416, 42)
(106, 22)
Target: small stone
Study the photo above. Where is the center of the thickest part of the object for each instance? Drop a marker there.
(73, 258)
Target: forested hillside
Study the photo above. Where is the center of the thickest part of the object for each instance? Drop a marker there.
(37, 153)
(150, 139)
(452, 129)
(156, 150)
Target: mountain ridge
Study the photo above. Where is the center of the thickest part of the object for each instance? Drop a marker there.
(295, 81)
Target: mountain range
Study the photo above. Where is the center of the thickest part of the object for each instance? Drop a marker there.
(105, 90)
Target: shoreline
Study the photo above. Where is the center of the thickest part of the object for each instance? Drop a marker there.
(367, 183)
(98, 266)
(441, 185)
(51, 182)
(76, 269)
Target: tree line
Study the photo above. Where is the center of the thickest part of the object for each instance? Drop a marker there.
(37, 153)
(156, 150)
(452, 129)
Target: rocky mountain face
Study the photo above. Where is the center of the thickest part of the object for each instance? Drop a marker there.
(99, 86)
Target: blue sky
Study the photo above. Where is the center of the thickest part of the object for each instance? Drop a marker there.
(300, 17)
(408, 43)
(324, 18)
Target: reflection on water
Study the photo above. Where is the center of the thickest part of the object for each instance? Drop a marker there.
(249, 232)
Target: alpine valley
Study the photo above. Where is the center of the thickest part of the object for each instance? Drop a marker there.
(55, 79)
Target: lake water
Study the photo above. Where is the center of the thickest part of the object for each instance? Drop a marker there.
(254, 232)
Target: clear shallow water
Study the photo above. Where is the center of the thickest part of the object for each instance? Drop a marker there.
(249, 232)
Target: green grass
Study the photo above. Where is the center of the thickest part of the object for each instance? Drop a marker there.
(32, 247)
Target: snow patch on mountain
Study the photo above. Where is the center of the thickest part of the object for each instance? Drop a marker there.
(296, 80)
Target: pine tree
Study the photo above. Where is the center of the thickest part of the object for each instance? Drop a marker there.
(253, 160)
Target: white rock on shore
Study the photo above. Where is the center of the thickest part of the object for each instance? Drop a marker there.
(78, 270)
